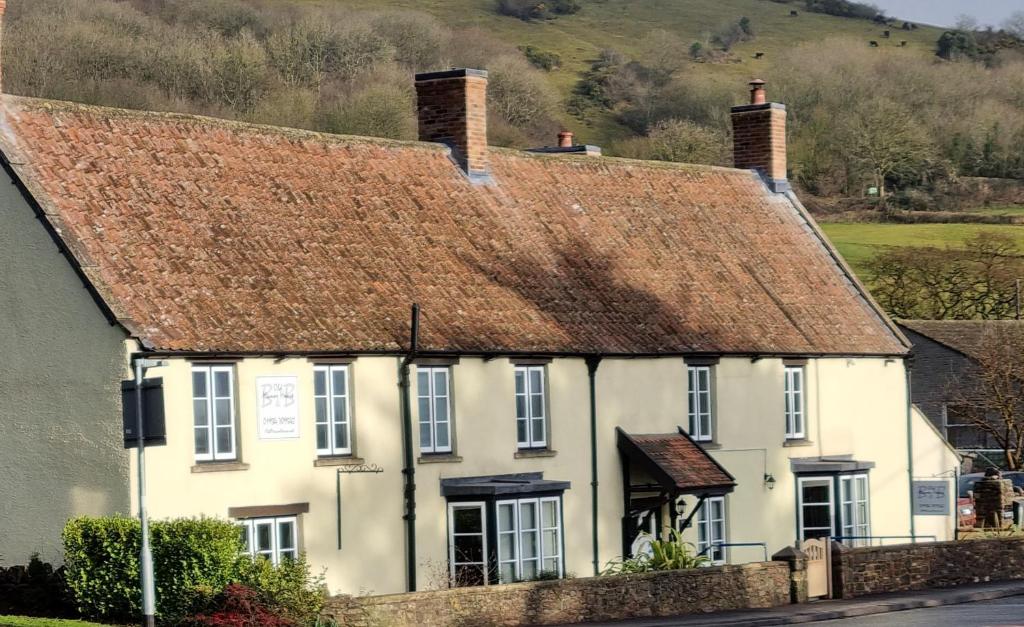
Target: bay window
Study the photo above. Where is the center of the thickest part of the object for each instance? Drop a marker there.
(529, 539)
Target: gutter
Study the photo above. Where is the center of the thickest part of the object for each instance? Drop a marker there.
(593, 361)
(409, 468)
(494, 354)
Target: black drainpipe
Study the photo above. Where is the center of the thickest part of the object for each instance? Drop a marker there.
(409, 469)
(592, 363)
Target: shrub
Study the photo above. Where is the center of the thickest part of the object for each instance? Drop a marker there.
(541, 58)
(671, 554)
(287, 589)
(238, 606)
(537, 9)
(193, 558)
(677, 140)
(35, 590)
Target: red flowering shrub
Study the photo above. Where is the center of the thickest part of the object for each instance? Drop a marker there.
(238, 606)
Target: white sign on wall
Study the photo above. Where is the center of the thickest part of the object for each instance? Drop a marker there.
(277, 407)
(931, 498)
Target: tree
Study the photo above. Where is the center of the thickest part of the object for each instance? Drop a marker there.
(885, 140)
(677, 140)
(957, 44)
(991, 398)
(1015, 24)
(976, 282)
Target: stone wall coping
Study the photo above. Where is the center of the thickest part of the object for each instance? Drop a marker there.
(861, 550)
(705, 571)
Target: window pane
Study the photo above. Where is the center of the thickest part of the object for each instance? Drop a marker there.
(442, 436)
(520, 382)
(224, 440)
(245, 537)
(199, 383)
(550, 542)
(423, 382)
(816, 493)
(467, 520)
(538, 430)
(425, 435)
(528, 544)
(202, 440)
(319, 383)
(340, 436)
(549, 513)
(537, 405)
(338, 379)
(527, 516)
(508, 573)
(521, 431)
(441, 382)
(424, 402)
(340, 409)
(551, 565)
(286, 535)
(469, 548)
(817, 516)
(222, 383)
(520, 406)
(222, 411)
(199, 411)
(321, 409)
(529, 570)
(467, 575)
(441, 409)
(506, 517)
(321, 437)
(535, 380)
(264, 537)
(506, 546)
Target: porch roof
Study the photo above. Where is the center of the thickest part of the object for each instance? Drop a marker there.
(497, 485)
(676, 462)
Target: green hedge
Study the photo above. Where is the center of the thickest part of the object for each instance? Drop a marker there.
(194, 559)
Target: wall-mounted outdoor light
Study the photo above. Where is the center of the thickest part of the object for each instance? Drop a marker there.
(769, 480)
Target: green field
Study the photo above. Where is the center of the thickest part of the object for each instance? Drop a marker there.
(622, 25)
(26, 621)
(860, 242)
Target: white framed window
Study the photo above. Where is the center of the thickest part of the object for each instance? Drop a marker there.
(815, 509)
(699, 381)
(273, 538)
(529, 539)
(467, 544)
(433, 388)
(711, 529)
(213, 411)
(794, 392)
(531, 407)
(856, 513)
(331, 398)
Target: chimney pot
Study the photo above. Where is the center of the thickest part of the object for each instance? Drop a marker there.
(452, 109)
(565, 139)
(757, 93)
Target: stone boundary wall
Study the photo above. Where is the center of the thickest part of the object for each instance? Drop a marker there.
(872, 570)
(667, 593)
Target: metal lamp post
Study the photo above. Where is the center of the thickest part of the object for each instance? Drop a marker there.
(145, 556)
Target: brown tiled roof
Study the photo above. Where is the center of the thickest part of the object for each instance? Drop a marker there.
(678, 459)
(211, 235)
(965, 336)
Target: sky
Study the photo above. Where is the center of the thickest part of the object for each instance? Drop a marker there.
(945, 12)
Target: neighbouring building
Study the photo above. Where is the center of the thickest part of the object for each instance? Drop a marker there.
(945, 375)
(603, 346)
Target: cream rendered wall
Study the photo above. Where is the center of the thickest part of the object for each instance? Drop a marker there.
(855, 407)
(934, 460)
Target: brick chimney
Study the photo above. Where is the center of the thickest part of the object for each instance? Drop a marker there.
(452, 110)
(759, 137)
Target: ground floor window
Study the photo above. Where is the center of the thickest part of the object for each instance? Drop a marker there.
(820, 514)
(467, 544)
(273, 538)
(711, 529)
(529, 539)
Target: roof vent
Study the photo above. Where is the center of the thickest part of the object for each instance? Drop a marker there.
(567, 144)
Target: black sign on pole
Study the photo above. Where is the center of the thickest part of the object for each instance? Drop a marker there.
(154, 430)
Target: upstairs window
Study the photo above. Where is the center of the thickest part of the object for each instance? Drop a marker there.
(273, 538)
(700, 402)
(711, 529)
(331, 398)
(531, 407)
(795, 414)
(213, 411)
(433, 388)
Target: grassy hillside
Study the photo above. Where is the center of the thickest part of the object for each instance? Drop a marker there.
(623, 24)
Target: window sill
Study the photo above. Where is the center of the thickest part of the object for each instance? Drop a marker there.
(339, 460)
(708, 445)
(219, 466)
(439, 458)
(798, 442)
(528, 453)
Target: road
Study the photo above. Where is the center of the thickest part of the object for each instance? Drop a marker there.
(995, 613)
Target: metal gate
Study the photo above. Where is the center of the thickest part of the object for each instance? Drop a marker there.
(816, 551)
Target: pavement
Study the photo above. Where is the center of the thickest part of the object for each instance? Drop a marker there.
(995, 613)
(818, 611)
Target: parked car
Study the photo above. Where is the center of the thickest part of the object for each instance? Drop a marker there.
(966, 514)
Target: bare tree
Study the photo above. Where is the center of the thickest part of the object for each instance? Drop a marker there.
(1015, 24)
(976, 282)
(992, 399)
(885, 140)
